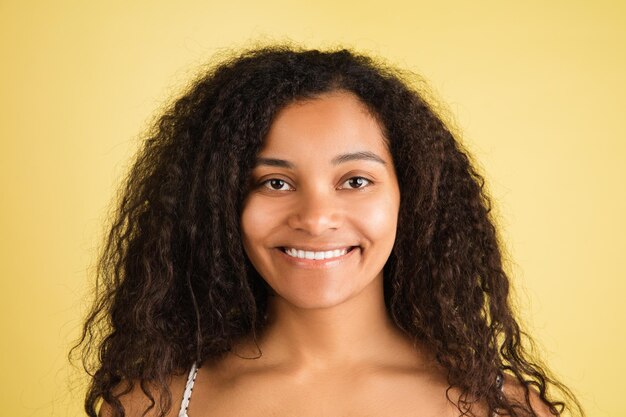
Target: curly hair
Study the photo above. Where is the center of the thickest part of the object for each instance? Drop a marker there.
(175, 286)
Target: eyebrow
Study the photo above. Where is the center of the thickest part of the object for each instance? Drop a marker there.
(339, 159)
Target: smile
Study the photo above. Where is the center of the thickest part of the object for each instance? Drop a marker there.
(316, 259)
(305, 254)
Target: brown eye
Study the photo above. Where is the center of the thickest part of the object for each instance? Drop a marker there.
(275, 184)
(357, 182)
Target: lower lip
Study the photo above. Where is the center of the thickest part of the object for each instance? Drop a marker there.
(317, 263)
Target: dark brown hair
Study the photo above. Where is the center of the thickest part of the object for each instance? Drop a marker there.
(174, 283)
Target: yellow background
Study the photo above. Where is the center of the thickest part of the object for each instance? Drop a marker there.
(537, 88)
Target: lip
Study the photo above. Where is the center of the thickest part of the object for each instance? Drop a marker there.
(318, 263)
(322, 248)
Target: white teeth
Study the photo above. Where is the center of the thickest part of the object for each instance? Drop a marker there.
(302, 254)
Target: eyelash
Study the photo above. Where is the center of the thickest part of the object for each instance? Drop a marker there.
(264, 182)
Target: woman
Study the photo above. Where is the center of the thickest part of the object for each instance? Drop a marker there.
(302, 236)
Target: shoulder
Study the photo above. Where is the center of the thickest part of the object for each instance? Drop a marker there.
(515, 391)
(135, 402)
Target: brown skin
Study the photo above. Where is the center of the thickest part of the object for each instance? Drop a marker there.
(329, 348)
(256, 392)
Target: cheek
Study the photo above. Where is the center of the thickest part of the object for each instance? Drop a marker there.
(378, 219)
(260, 219)
(253, 220)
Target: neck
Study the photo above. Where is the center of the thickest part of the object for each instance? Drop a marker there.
(356, 331)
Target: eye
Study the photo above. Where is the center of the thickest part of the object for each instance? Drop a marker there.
(275, 184)
(357, 182)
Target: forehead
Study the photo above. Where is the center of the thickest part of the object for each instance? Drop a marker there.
(320, 128)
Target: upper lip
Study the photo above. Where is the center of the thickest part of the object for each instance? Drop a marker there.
(321, 248)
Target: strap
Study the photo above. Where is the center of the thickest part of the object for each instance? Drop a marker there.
(188, 389)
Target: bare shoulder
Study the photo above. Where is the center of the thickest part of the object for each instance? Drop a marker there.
(514, 390)
(135, 402)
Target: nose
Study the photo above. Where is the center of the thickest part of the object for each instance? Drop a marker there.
(315, 213)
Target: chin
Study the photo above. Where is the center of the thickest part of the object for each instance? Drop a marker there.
(311, 301)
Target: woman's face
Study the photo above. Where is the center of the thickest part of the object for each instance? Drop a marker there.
(324, 184)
